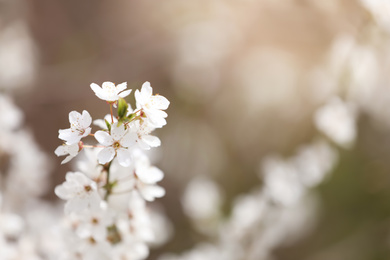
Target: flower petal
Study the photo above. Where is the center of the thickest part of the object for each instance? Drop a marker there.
(150, 175)
(117, 132)
(61, 150)
(86, 119)
(124, 93)
(151, 140)
(150, 192)
(124, 157)
(159, 102)
(121, 87)
(74, 117)
(68, 135)
(98, 91)
(104, 138)
(106, 155)
(67, 159)
(129, 139)
(139, 99)
(146, 90)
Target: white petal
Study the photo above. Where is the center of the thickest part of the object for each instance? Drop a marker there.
(124, 157)
(62, 193)
(61, 151)
(150, 192)
(95, 87)
(121, 87)
(146, 90)
(86, 119)
(151, 140)
(67, 159)
(73, 149)
(150, 175)
(159, 102)
(87, 131)
(104, 138)
(139, 99)
(74, 117)
(117, 132)
(129, 139)
(106, 155)
(68, 135)
(143, 145)
(124, 93)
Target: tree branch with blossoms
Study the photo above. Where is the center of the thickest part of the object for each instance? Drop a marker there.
(106, 202)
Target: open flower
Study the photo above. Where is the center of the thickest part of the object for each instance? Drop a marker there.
(143, 138)
(152, 105)
(117, 143)
(109, 92)
(145, 178)
(79, 127)
(70, 150)
(79, 191)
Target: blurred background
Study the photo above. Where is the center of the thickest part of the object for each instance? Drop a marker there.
(246, 81)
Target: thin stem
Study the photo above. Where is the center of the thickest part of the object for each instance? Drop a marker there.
(108, 186)
(93, 146)
(112, 116)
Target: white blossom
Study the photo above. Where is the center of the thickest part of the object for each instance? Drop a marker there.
(337, 120)
(79, 191)
(140, 177)
(201, 199)
(136, 224)
(79, 127)
(143, 138)
(94, 223)
(117, 143)
(10, 115)
(146, 178)
(70, 150)
(110, 92)
(152, 105)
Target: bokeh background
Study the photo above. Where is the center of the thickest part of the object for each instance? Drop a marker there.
(245, 79)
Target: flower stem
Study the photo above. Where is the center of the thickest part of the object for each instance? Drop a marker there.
(112, 116)
(108, 186)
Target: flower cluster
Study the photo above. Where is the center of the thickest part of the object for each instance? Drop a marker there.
(106, 198)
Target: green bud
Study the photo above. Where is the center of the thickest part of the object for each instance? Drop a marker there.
(122, 108)
(108, 125)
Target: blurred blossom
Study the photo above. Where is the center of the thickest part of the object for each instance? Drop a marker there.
(10, 116)
(327, 80)
(201, 199)
(380, 10)
(314, 162)
(337, 120)
(282, 181)
(247, 211)
(17, 56)
(202, 202)
(162, 227)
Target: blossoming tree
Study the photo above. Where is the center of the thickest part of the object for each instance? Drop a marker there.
(106, 200)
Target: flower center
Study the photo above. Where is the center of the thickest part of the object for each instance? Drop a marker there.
(116, 145)
(87, 188)
(95, 221)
